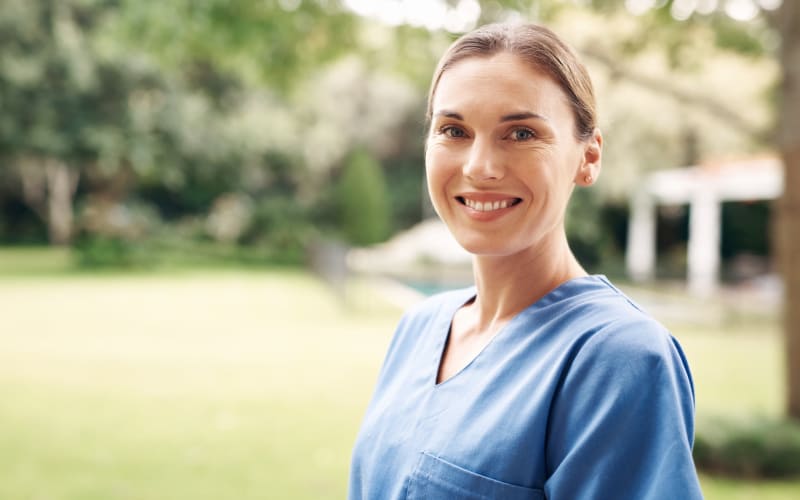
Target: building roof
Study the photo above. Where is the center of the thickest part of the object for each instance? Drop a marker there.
(751, 179)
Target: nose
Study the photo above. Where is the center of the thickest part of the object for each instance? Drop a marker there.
(482, 162)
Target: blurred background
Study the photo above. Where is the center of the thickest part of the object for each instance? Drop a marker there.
(212, 213)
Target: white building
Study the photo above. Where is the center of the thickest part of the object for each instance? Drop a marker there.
(703, 188)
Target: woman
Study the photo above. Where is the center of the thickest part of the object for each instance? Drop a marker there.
(541, 381)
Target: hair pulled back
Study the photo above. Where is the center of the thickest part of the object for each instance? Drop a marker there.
(537, 46)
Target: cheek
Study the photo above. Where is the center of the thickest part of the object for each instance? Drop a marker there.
(436, 167)
(438, 173)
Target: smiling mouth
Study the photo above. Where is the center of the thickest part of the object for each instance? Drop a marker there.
(488, 206)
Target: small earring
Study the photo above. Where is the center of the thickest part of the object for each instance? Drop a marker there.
(587, 179)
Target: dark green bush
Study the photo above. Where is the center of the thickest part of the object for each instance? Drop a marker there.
(588, 237)
(756, 448)
(98, 251)
(280, 231)
(115, 234)
(363, 200)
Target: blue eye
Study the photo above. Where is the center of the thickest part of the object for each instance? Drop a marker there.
(454, 132)
(522, 134)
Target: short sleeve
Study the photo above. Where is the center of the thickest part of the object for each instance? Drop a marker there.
(622, 422)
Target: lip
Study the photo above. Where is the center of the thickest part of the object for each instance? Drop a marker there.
(485, 197)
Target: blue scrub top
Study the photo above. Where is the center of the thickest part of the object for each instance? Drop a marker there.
(581, 396)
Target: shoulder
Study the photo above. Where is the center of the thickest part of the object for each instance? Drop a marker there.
(623, 409)
(611, 322)
(632, 351)
(613, 334)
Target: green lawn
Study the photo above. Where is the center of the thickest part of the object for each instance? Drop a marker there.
(236, 384)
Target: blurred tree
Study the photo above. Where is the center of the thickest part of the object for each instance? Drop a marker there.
(363, 201)
(86, 112)
(588, 238)
(272, 42)
(305, 80)
(62, 107)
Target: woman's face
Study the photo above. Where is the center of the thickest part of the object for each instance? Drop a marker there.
(502, 157)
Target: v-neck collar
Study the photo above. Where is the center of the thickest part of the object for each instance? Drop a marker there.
(464, 296)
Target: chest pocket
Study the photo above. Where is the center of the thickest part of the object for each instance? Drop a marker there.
(436, 479)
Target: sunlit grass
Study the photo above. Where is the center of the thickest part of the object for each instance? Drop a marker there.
(720, 488)
(238, 384)
(34, 261)
(738, 372)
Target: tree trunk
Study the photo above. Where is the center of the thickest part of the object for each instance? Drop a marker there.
(34, 185)
(789, 254)
(788, 223)
(61, 185)
(48, 186)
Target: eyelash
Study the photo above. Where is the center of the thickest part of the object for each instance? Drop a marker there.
(447, 130)
(531, 133)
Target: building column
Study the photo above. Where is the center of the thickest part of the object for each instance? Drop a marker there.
(705, 222)
(640, 254)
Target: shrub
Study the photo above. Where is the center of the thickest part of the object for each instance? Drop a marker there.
(757, 448)
(588, 237)
(113, 234)
(280, 229)
(363, 200)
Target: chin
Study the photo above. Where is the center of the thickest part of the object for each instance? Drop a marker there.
(484, 247)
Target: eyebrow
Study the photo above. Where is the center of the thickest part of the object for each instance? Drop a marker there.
(525, 115)
(449, 114)
(522, 116)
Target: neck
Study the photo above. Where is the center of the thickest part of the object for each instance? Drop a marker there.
(506, 285)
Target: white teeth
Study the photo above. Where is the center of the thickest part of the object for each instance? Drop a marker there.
(486, 206)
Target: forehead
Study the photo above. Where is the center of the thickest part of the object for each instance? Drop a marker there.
(500, 82)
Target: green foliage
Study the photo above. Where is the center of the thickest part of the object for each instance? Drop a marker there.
(746, 228)
(262, 41)
(281, 230)
(98, 251)
(751, 40)
(406, 176)
(113, 235)
(363, 200)
(59, 97)
(754, 448)
(587, 235)
(18, 225)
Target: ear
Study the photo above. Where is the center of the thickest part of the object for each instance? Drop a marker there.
(589, 170)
